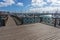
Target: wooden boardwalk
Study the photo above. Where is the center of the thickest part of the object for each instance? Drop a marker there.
(35, 31)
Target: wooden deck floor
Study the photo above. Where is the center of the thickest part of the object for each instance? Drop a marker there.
(30, 32)
(36, 31)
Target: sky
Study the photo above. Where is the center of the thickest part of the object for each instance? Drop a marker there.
(40, 6)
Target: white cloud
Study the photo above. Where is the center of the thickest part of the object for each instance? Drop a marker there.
(54, 2)
(9, 2)
(20, 4)
(42, 2)
(57, 3)
(37, 6)
(38, 3)
(44, 9)
(6, 3)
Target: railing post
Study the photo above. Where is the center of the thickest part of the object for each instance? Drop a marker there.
(55, 22)
(40, 19)
(59, 22)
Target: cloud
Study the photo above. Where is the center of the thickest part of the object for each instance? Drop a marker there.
(6, 3)
(9, 3)
(43, 3)
(45, 10)
(20, 4)
(38, 3)
(54, 2)
(40, 6)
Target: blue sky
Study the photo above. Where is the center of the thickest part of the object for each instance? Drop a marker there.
(29, 5)
(14, 6)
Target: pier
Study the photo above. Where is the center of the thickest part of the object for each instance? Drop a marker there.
(35, 31)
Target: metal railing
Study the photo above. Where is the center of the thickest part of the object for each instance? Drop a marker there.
(42, 18)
